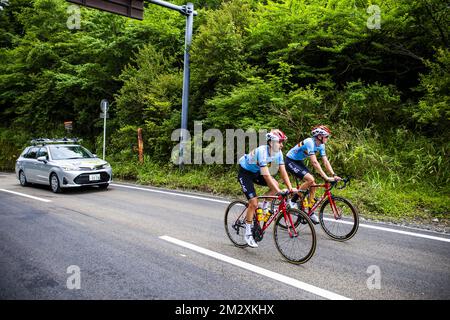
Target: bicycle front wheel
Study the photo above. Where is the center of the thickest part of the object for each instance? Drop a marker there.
(339, 221)
(299, 246)
(235, 223)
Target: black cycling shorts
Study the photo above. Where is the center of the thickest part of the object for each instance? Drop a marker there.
(247, 179)
(296, 167)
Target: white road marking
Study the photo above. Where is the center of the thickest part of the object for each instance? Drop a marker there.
(413, 234)
(270, 274)
(419, 235)
(25, 195)
(171, 193)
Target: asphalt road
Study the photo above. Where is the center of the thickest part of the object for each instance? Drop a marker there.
(132, 242)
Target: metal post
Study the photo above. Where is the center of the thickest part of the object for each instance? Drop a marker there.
(104, 135)
(186, 77)
(104, 106)
(188, 11)
(167, 5)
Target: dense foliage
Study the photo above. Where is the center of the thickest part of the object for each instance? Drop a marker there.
(255, 64)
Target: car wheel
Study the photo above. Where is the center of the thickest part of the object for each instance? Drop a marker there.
(103, 186)
(23, 179)
(54, 183)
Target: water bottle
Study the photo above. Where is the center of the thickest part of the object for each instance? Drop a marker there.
(267, 215)
(306, 202)
(260, 214)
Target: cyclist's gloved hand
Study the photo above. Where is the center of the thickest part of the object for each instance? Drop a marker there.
(283, 192)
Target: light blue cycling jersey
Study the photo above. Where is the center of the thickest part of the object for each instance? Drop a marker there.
(259, 158)
(305, 149)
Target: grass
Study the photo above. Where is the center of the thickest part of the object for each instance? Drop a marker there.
(375, 198)
(205, 179)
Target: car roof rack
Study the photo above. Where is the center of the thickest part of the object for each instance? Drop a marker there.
(44, 141)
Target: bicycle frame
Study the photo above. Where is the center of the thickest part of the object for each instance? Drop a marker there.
(327, 195)
(294, 245)
(281, 208)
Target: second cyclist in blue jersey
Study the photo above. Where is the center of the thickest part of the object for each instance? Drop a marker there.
(254, 168)
(308, 149)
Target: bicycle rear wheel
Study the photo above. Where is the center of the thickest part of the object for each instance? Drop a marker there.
(340, 224)
(235, 223)
(296, 249)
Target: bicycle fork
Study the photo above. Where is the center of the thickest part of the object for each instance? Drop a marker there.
(290, 225)
(336, 213)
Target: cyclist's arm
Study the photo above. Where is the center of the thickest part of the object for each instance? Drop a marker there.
(315, 163)
(268, 177)
(327, 165)
(329, 168)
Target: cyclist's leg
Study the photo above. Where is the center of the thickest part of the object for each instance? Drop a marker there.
(299, 170)
(245, 179)
(262, 182)
(309, 181)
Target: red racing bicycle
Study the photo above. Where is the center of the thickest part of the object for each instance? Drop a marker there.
(338, 217)
(296, 242)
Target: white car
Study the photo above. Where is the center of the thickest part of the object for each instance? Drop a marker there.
(61, 164)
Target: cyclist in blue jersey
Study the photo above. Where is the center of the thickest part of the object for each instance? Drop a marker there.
(308, 149)
(254, 168)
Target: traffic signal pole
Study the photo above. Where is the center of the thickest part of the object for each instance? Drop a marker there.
(188, 11)
(134, 9)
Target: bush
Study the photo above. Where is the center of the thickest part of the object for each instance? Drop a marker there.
(12, 143)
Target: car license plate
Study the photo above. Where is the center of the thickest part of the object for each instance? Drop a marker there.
(94, 177)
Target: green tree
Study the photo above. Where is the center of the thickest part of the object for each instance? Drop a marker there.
(433, 109)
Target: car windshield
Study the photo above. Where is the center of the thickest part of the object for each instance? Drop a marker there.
(69, 152)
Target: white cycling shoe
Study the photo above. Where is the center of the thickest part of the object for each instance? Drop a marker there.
(314, 218)
(250, 241)
(293, 205)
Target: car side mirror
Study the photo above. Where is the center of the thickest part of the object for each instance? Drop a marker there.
(95, 156)
(42, 159)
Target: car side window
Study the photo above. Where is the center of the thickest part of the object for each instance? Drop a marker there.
(32, 154)
(24, 152)
(43, 152)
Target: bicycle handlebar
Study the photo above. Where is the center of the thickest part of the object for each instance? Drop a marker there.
(333, 184)
(283, 194)
(344, 180)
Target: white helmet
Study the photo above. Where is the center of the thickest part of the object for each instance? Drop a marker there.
(323, 130)
(276, 135)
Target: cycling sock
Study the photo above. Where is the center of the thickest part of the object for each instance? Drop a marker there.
(264, 206)
(248, 229)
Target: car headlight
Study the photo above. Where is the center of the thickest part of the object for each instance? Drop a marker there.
(106, 166)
